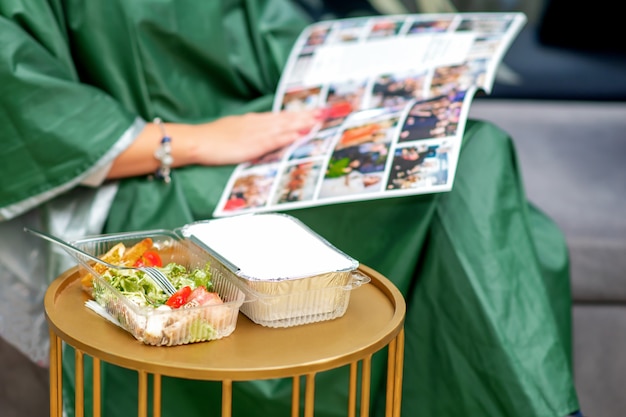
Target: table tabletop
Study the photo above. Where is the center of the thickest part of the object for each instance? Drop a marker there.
(374, 317)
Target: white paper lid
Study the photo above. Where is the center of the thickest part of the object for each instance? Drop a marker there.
(269, 247)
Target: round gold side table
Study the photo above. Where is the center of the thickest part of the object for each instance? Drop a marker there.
(374, 320)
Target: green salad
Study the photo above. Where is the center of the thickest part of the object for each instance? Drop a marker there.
(141, 290)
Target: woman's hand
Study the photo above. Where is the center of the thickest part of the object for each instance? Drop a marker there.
(229, 140)
(236, 139)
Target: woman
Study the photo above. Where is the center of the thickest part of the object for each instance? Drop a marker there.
(487, 328)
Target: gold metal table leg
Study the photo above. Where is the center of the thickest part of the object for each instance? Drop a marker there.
(295, 397)
(97, 391)
(56, 408)
(354, 367)
(398, 372)
(227, 398)
(142, 400)
(309, 395)
(80, 383)
(391, 379)
(366, 378)
(156, 395)
(59, 378)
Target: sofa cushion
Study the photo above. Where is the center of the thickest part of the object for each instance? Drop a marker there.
(571, 156)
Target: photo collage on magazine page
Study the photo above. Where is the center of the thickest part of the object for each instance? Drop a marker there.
(396, 92)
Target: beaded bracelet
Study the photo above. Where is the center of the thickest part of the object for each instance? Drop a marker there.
(164, 154)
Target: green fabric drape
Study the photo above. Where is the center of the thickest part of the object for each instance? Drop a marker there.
(484, 274)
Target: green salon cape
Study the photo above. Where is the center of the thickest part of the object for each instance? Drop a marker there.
(485, 275)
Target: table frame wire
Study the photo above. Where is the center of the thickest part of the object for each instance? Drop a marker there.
(393, 397)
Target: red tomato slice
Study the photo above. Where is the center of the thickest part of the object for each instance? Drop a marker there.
(179, 298)
(203, 297)
(149, 258)
(152, 258)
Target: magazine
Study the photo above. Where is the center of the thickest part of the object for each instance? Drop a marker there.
(395, 92)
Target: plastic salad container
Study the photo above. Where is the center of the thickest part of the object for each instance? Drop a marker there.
(291, 275)
(165, 326)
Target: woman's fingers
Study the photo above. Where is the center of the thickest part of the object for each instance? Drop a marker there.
(236, 139)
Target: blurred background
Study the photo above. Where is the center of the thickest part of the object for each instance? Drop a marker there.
(561, 95)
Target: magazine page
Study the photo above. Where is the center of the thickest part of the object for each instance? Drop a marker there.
(396, 92)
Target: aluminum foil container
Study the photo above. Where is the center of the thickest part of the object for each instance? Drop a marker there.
(290, 274)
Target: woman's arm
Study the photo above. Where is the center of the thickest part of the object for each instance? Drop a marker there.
(229, 140)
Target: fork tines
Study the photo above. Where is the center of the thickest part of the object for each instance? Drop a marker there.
(160, 279)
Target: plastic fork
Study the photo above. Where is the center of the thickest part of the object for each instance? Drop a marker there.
(157, 276)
